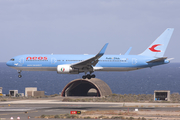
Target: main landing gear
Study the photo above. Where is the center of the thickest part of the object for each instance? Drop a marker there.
(88, 76)
(19, 72)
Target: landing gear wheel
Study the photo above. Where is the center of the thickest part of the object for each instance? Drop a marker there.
(19, 76)
(93, 76)
(88, 76)
(84, 76)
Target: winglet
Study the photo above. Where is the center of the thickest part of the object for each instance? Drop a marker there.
(128, 51)
(102, 50)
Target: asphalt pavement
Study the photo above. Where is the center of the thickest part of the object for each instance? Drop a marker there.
(33, 108)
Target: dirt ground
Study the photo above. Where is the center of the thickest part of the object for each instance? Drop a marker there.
(148, 115)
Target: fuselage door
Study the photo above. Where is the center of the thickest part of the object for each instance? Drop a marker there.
(53, 60)
(134, 61)
(20, 62)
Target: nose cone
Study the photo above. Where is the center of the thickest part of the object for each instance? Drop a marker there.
(9, 63)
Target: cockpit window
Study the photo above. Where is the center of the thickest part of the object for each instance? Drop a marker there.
(12, 59)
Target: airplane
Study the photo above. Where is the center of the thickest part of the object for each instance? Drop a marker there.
(75, 64)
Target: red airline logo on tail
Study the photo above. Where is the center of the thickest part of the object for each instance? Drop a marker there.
(153, 48)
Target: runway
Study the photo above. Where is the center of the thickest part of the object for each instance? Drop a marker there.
(33, 108)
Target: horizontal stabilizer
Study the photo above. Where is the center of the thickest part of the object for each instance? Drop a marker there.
(157, 60)
(127, 53)
(169, 59)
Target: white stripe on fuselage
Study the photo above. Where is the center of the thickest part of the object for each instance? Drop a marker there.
(36, 68)
(115, 68)
(55, 68)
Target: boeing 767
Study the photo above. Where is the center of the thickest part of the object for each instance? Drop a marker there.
(75, 64)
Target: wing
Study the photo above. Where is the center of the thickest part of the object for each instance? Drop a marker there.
(91, 61)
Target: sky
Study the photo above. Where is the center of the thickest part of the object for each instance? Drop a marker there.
(84, 26)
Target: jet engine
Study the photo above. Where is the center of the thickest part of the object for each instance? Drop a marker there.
(66, 69)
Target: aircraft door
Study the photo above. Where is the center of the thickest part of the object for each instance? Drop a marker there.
(20, 62)
(134, 61)
(53, 60)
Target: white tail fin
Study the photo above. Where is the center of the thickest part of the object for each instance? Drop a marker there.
(158, 47)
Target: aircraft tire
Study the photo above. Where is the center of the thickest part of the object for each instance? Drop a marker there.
(89, 76)
(19, 76)
(93, 76)
(84, 76)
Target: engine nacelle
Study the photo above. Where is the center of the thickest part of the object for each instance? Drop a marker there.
(66, 69)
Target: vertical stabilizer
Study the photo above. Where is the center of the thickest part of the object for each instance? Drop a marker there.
(158, 47)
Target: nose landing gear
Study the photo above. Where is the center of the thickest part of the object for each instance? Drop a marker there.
(19, 72)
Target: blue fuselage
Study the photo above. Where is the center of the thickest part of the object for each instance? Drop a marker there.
(36, 62)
